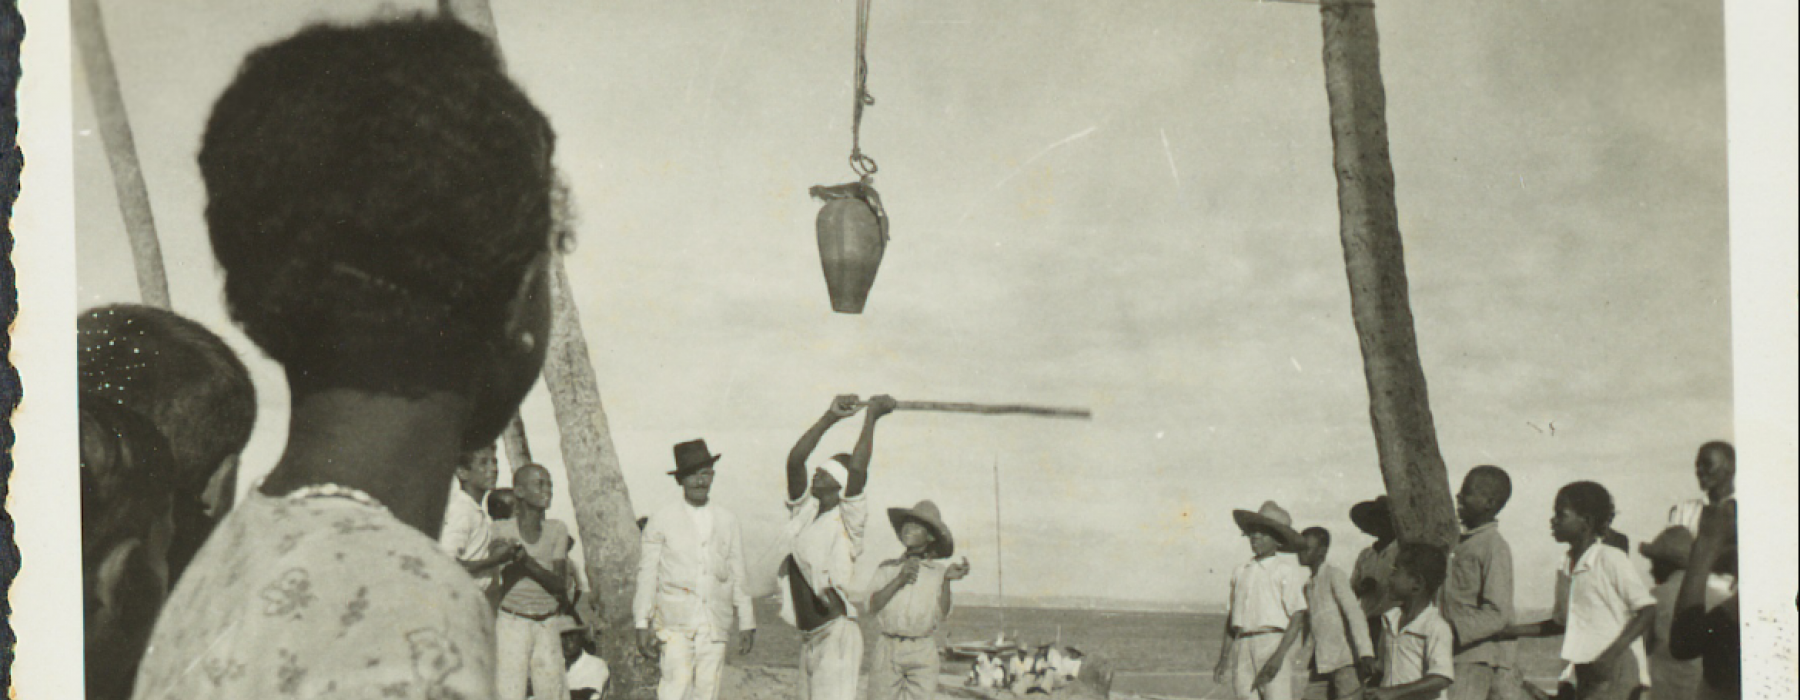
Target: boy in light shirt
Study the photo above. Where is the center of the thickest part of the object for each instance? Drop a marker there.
(1417, 659)
(910, 601)
(1603, 607)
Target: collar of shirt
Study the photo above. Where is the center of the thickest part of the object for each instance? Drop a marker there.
(1488, 526)
(1572, 567)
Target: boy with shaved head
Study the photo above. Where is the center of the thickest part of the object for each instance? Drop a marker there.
(533, 588)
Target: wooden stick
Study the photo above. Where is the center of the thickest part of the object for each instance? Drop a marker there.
(991, 409)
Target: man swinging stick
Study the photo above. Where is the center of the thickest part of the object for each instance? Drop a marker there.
(825, 526)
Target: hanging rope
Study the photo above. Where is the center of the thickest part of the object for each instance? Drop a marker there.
(862, 164)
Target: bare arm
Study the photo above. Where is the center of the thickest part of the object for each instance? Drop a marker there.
(885, 594)
(841, 407)
(1688, 631)
(1547, 628)
(865, 445)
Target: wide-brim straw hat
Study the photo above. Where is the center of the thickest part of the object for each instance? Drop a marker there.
(926, 513)
(1670, 547)
(1273, 518)
(1372, 515)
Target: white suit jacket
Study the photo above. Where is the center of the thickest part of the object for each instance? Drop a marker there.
(668, 583)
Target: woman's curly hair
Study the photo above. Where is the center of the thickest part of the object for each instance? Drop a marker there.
(375, 196)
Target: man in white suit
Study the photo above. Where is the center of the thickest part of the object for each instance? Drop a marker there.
(690, 583)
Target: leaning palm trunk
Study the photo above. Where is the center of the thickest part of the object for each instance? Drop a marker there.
(121, 152)
(1405, 438)
(603, 513)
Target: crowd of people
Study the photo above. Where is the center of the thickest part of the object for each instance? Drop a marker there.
(383, 207)
(1415, 621)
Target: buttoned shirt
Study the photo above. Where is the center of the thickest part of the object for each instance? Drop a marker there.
(1477, 597)
(825, 546)
(1374, 564)
(1266, 592)
(1596, 597)
(691, 572)
(1421, 648)
(916, 609)
(1335, 623)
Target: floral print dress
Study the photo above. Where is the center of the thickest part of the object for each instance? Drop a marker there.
(320, 594)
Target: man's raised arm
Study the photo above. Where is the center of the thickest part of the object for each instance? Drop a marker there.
(842, 407)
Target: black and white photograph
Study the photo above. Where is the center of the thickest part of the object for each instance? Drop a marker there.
(868, 349)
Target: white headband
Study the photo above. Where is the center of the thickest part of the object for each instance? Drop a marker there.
(837, 471)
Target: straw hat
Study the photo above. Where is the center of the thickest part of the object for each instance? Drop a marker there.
(926, 513)
(1271, 517)
(1372, 515)
(1670, 547)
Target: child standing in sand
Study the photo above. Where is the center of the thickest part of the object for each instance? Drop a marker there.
(910, 600)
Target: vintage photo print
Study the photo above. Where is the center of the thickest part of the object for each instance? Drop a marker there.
(872, 349)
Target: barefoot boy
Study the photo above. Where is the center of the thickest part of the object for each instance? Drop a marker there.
(1416, 658)
(1267, 609)
(1478, 596)
(910, 600)
(1603, 607)
(1342, 654)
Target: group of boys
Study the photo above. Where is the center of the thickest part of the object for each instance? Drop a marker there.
(692, 587)
(1416, 622)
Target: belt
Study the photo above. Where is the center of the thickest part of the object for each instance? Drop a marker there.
(1259, 632)
(533, 618)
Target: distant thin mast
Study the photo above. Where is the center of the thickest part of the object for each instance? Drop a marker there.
(999, 559)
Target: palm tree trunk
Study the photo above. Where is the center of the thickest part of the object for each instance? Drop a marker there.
(1405, 438)
(121, 151)
(518, 450)
(603, 513)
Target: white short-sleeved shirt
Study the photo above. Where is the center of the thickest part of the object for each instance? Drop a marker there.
(1265, 593)
(826, 546)
(467, 531)
(1424, 647)
(1595, 598)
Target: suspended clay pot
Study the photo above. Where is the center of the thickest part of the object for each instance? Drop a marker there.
(852, 237)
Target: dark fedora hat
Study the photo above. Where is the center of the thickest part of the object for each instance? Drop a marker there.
(926, 513)
(692, 456)
(1373, 515)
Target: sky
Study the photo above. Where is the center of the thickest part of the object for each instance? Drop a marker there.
(1128, 208)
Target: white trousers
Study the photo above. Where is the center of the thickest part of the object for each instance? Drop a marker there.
(1248, 656)
(830, 660)
(691, 663)
(527, 650)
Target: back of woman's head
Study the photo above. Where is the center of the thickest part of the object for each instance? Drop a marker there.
(376, 195)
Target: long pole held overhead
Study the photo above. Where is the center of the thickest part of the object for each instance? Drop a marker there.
(121, 152)
(603, 513)
(991, 409)
(1405, 438)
